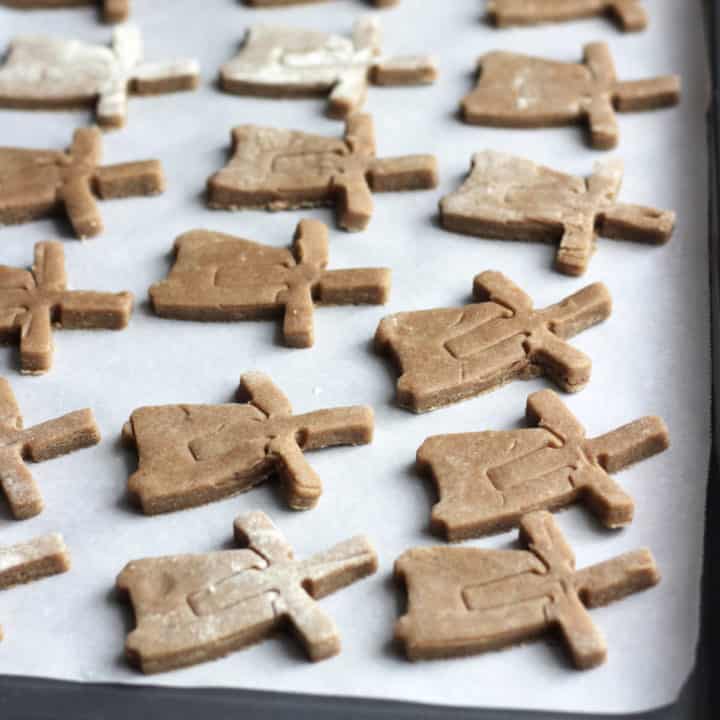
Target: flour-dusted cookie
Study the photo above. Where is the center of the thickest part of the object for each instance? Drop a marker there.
(190, 455)
(286, 3)
(36, 183)
(277, 61)
(48, 73)
(31, 302)
(284, 169)
(222, 277)
(520, 91)
(194, 608)
(511, 198)
(449, 354)
(113, 10)
(463, 601)
(33, 560)
(488, 480)
(630, 15)
(41, 442)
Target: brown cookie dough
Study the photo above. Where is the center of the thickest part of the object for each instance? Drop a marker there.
(31, 302)
(30, 561)
(284, 169)
(285, 3)
(510, 198)
(194, 608)
(221, 277)
(519, 91)
(463, 601)
(36, 183)
(488, 480)
(45, 441)
(450, 354)
(285, 62)
(630, 15)
(190, 455)
(113, 10)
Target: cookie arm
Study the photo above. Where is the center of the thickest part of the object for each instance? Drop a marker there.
(650, 94)
(405, 70)
(301, 484)
(116, 10)
(637, 223)
(600, 111)
(36, 345)
(630, 14)
(359, 286)
(19, 486)
(81, 206)
(354, 201)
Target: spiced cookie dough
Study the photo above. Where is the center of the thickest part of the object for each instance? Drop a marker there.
(286, 3)
(113, 10)
(31, 302)
(48, 73)
(194, 608)
(450, 354)
(285, 62)
(222, 277)
(284, 170)
(189, 455)
(36, 183)
(510, 198)
(520, 91)
(463, 601)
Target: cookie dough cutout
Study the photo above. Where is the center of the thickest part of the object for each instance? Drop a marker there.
(450, 354)
(221, 277)
(195, 608)
(45, 441)
(34, 560)
(464, 601)
(488, 480)
(285, 170)
(284, 62)
(630, 15)
(510, 198)
(519, 91)
(31, 302)
(286, 3)
(113, 10)
(190, 455)
(37, 183)
(49, 73)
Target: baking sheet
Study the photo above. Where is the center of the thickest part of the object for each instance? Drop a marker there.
(651, 356)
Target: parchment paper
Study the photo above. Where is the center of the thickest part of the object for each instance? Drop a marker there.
(652, 356)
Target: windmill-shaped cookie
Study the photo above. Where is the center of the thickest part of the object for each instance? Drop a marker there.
(194, 608)
(285, 3)
(36, 183)
(284, 169)
(194, 454)
(520, 91)
(488, 480)
(449, 354)
(221, 277)
(630, 15)
(470, 600)
(41, 442)
(113, 10)
(511, 198)
(48, 73)
(285, 62)
(31, 302)
(32, 560)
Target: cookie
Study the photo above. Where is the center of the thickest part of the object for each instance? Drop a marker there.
(519, 91)
(488, 480)
(31, 302)
(113, 10)
(630, 15)
(463, 601)
(189, 455)
(510, 198)
(285, 62)
(284, 170)
(33, 560)
(36, 183)
(194, 608)
(450, 354)
(45, 441)
(221, 277)
(285, 3)
(48, 73)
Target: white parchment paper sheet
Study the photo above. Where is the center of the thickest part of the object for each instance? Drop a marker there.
(652, 356)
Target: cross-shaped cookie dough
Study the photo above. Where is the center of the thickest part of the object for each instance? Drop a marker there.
(193, 608)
